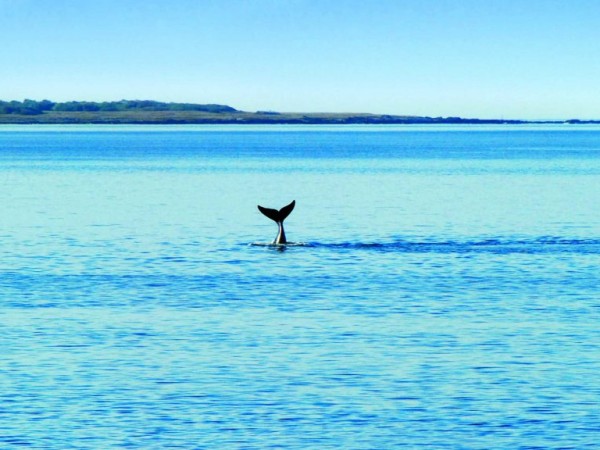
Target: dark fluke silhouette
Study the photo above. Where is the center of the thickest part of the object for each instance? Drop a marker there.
(278, 217)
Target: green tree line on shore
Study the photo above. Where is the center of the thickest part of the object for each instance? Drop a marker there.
(34, 107)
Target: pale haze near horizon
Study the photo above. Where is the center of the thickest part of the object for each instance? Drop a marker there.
(486, 59)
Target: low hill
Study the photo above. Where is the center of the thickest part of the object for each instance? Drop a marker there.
(32, 107)
(153, 112)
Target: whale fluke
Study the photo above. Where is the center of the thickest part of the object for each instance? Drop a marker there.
(278, 216)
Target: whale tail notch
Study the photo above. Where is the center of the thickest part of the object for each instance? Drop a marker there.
(275, 215)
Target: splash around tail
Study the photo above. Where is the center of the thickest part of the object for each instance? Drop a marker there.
(278, 216)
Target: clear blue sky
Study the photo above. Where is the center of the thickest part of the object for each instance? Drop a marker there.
(530, 59)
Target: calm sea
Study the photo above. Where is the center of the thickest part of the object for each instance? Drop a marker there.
(446, 295)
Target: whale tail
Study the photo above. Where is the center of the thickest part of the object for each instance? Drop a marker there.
(279, 217)
(275, 215)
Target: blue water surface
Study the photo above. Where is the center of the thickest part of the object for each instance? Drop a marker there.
(444, 293)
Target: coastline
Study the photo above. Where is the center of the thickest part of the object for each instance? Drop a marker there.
(151, 112)
(241, 118)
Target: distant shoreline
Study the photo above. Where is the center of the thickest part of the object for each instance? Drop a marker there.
(150, 112)
(242, 118)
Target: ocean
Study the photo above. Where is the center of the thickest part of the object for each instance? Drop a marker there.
(443, 292)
